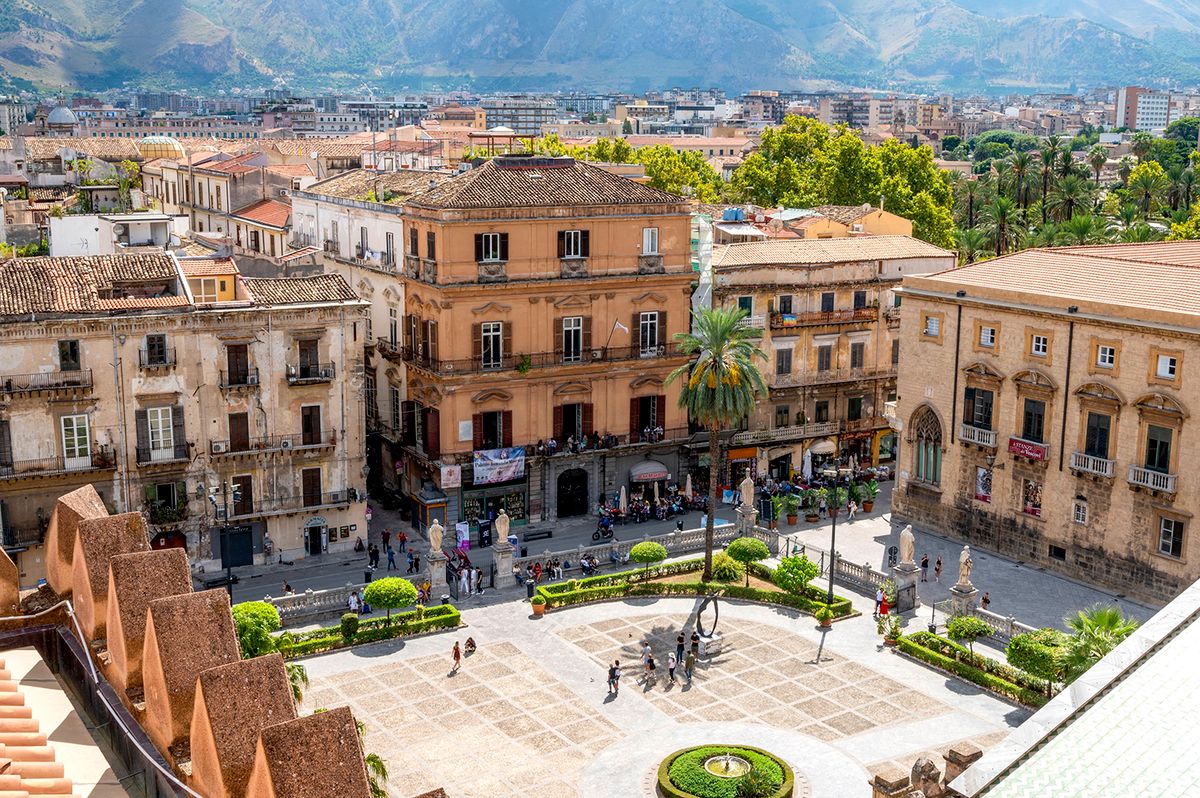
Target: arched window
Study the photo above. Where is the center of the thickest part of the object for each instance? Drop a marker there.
(927, 440)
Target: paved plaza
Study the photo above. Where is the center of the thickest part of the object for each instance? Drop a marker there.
(529, 714)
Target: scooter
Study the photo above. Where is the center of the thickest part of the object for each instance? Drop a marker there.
(604, 529)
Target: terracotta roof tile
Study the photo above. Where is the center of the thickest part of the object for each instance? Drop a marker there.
(315, 756)
(524, 181)
(132, 303)
(105, 149)
(203, 267)
(291, 169)
(357, 183)
(299, 290)
(844, 213)
(268, 212)
(808, 252)
(50, 193)
(327, 148)
(75, 284)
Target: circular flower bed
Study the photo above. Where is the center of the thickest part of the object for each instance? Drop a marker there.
(683, 774)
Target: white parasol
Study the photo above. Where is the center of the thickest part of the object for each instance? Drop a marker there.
(806, 469)
(624, 501)
(656, 491)
(687, 487)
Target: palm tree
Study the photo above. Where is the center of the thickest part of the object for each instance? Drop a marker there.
(1070, 195)
(1066, 162)
(377, 775)
(1125, 168)
(1048, 235)
(1000, 220)
(721, 386)
(1127, 214)
(1188, 183)
(1048, 159)
(1147, 188)
(1022, 165)
(1175, 185)
(1140, 145)
(1001, 167)
(297, 676)
(1084, 228)
(1095, 632)
(1097, 157)
(969, 191)
(1140, 234)
(971, 243)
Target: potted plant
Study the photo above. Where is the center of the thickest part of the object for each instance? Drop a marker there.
(855, 493)
(786, 504)
(538, 603)
(825, 617)
(869, 491)
(889, 591)
(893, 633)
(810, 498)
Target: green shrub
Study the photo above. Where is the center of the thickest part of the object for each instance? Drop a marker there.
(824, 615)
(746, 551)
(987, 673)
(538, 601)
(1042, 652)
(685, 772)
(254, 621)
(968, 628)
(390, 593)
(756, 784)
(794, 573)
(349, 626)
(725, 568)
(328, 638)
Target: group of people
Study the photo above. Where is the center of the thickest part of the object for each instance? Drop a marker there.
(641, 508)
(576, 443)
(470, 581)
(683, 656)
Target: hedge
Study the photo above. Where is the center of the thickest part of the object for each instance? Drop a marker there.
(328, 638)
(682, 774)
(929, 649)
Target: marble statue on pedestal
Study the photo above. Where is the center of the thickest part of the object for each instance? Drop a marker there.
(908, 545)
(435, 537)
(747, 489)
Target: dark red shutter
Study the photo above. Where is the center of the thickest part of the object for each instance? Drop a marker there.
(660, 411)
(558, 423)
(433, 434)
(479, 246)
(588, 425)
(558, 338)
(506, 429)
(584, 247)
(408, 413)
(477, 431)
(504, 246)
(409, 333)
(635, 432)
(663, 338)
(506, 353)
(587, 336)
(477, 342)
(635, 331)
(562, 243)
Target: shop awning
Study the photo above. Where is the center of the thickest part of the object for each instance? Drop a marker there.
(823, 447)
(743, 453)
(648, 471)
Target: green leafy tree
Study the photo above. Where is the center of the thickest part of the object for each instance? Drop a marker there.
(970, 244)
(626, 128)
(1070, 195)
(1084, 228)
(1148, 186)
(1140, 234)
(1042, 652)
(390, 593)
(1047, 157)
(1048, 235)
(647, 552)
(746, 551)
(349, 626)
(1000, 220)
(297, 676)
(1186, 129)
(1096, 631)
(1140, 144)
(721, 385)
(794, 573)
(725, 568)
(968, 628)
(254, 621)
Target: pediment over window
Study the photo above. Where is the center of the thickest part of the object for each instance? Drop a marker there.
(1035, 380)
(492, 393)
(572, 387)
(365, 289)
(572, 301)
(491, 307)
(1098, 391)
(982, 371)
(649, 296)
(392, 295)
(646, 380)
(1161, 403)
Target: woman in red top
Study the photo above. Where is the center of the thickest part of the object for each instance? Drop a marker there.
(883, 606)
(537, 572)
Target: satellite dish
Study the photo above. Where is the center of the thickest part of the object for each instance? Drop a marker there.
(118, 229)
(775, 225)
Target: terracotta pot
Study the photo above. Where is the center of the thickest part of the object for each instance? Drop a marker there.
(539, 609)
(827, 625)
(889, 641)
(868, 506)
(812, 518)
(791, 519)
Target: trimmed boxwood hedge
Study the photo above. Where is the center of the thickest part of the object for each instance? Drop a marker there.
(328, 638)
(989, 674)
(682, 774)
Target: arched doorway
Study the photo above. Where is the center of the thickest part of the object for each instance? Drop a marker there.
(572, 492)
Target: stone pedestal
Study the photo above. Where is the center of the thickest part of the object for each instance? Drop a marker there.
(959, 758)
(963, 599)
(437, 577)
(905, 576)
(747, 517)
(890, 782)
(502, 555)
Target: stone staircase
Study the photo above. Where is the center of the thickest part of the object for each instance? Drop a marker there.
(28, 766)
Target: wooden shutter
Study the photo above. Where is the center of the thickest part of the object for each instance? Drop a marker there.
(431, 339)
(635, 331)
(506, 351)
(477, 431)
(506, 429)
(178, 437)
(584, 247)
(408, 413)
(663, 338)
(6, 455)
(558, 423)
(409, 333)
(431, 245)
(587, 337)
(478, 246)
(562, 243)
(558, 336)
(239, 432)
(433, 434)
(477, 342)
(660, 411)
(635, 432)
(587, 413)
(143, 434)
(504, 246)
(181, 493)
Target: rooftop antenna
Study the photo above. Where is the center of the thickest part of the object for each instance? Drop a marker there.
(881, 202)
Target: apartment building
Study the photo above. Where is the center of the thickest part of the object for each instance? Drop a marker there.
(1143, 109)
(829, 316)
(523, 115)
(220, 406)
(1045, 406)
(571, 282)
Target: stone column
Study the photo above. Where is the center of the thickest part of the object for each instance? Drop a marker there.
(890, 783)
(502, 555)
(963, 598)
(747, 517)
(959, 758)
(905, 575)
(437, 576)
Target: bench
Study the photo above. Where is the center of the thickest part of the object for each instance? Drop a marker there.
(537, 534)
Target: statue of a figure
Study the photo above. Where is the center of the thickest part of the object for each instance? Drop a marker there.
(502, 522)
(747, 488)
(908, 544)
(435, 537)
(965, 564)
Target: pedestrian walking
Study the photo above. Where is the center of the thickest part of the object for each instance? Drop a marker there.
(456, 653)
(373, 556)
(689, 666)
(402, 539)
(651, 667)
(851, 509)
(614, 677)
(924, 567)
(883, 607)
(679, 644)
(387, 535)
(985, 601)
(878, 600)
(417, 562)
(937, 569)
(392, 559)
(696, 643)
(671, 663)
(478, 581)
(410, 562)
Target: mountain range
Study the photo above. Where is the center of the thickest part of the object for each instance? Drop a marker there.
(598, 44)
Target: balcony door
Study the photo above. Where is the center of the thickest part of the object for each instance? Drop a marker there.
(309, 362)
(160, 427)
(1158, 449)
(237, 358)
(239, 432)
(310, 485)
(310, 425)
(76, 442)
(243, 495)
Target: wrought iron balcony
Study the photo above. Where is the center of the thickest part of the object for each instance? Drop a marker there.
(303, 373)
(161, 359)
(46, 381)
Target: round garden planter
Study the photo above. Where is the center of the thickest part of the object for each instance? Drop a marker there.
(706, 782)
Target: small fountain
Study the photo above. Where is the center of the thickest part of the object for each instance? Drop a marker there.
(727, 766)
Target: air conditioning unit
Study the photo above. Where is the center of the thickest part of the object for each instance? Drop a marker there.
(286, 443)
(219, 447)
(337, 496)
(327, 373)
(252, 379)
(597, 354)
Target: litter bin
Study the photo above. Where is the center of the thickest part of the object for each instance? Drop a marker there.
(529, 588)
(367, 576)
(445, 598)
(524, 551)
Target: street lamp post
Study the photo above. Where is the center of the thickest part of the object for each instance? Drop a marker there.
(834, 474)
(225, 553)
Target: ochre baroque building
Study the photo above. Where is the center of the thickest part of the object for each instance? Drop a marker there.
(213, 402)
(541, 298)
(1047, 403)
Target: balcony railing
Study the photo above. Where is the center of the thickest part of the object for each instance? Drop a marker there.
(817, 429)
(160, 359)
(240, 379)
(1093, 465)
(1154, 480)
(298, 374)
(301, 502)
(23, 537)
(977, 436)
(273, 443)
(46, 381)
(804, 378)
(651, 264)
(53, 466)
(537, 360)
(782, 321)
(149, 455)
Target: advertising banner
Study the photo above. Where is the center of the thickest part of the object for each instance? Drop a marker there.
(499, 465)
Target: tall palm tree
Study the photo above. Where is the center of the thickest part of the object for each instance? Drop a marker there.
(1084, 228)
(1001, 167)
(1125, 168)
(1072, 193)
(722, 383)
(1188, 183)
(1066, 162)
(1022, 166)
(969, 191)
(1095, 632)
(1097, 157)
(1127, 214)
(1148, 189)
(1140, 234)
(1049, 156)
(1048, 235)
(1140, 144)
(971, 243)
(1175, 185)
(1000, 219)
